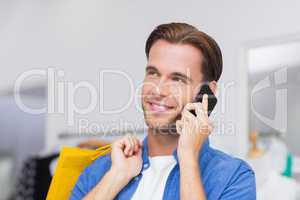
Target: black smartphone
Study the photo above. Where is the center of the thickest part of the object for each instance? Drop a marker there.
(212, 99)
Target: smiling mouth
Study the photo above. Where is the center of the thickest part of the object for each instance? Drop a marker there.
(159, 108)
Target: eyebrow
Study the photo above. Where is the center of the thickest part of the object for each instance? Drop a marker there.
(177, 74)
(149, 67)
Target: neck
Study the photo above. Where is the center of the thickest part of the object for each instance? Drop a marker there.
(161, 144)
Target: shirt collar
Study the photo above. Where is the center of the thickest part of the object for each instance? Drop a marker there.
(145, 154)
(145, 157)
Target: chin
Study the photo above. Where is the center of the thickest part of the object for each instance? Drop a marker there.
(163, 124)
(155, 124)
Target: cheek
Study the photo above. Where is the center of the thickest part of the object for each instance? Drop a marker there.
(146, 88)
(182, 95)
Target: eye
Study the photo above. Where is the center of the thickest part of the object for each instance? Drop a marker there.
(152, 73)
(178, 79)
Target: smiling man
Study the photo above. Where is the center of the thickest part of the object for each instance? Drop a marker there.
(168, 165)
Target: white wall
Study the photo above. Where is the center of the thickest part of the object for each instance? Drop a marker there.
(83, 37)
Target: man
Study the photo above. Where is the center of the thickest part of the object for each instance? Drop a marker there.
(166, 165)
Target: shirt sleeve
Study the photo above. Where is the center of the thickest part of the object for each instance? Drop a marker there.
(81, 187)
(90, 177)
(242, 184)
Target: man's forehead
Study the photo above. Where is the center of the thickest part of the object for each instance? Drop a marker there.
(170, 58)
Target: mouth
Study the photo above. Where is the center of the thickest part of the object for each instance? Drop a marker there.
(159, 107)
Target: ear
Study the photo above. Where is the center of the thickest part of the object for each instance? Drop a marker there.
(213, 86)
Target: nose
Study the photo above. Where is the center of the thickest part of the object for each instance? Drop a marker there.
(161, 88)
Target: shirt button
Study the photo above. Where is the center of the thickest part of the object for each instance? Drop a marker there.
(136, 178)
(146, 165)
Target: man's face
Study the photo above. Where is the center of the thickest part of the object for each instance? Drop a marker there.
(172, 79)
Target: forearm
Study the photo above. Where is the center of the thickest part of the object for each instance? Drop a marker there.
(190, 180)
(108, 188)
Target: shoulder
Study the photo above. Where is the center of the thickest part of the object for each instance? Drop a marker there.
(90, 176)
(95, 171)
(233, 176)
(101, 164)
(228, 162)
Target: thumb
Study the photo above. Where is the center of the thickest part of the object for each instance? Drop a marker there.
(139, 153)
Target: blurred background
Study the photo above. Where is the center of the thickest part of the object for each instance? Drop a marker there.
(72, 70)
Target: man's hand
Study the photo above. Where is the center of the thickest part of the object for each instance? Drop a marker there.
(193, 130)
(126, 156)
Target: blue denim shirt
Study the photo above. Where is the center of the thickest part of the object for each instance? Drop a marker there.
(223, 177)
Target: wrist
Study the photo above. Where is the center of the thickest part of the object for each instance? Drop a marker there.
(109, 186)
(188, 163)
(119, 175)
(188, 156)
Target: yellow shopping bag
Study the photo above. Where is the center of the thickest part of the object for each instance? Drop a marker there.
(71, 163)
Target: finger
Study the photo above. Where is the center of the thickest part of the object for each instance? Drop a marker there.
(140, 143)
(187, 115)
(201, 115)
(128, 145)
(205, 104)
(210, 128)
(131, 141)
(190, 106)
(185, 124)
(199, 110)
(117, 144)
(136, 144)
(179, 126)
(194, 106)
(134, 149)
(120, 143)
(139, 153)
(206, 125)
(206, 129)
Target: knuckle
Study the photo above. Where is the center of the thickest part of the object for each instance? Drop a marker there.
(188, 105)
(198, 105)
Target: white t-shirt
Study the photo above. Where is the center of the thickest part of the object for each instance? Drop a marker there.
(154, 179)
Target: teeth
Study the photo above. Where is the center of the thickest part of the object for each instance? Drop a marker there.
(159, 108)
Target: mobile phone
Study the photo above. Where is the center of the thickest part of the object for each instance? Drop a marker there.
(212, 99)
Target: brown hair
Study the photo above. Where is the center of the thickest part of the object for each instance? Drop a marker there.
(182, 33)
